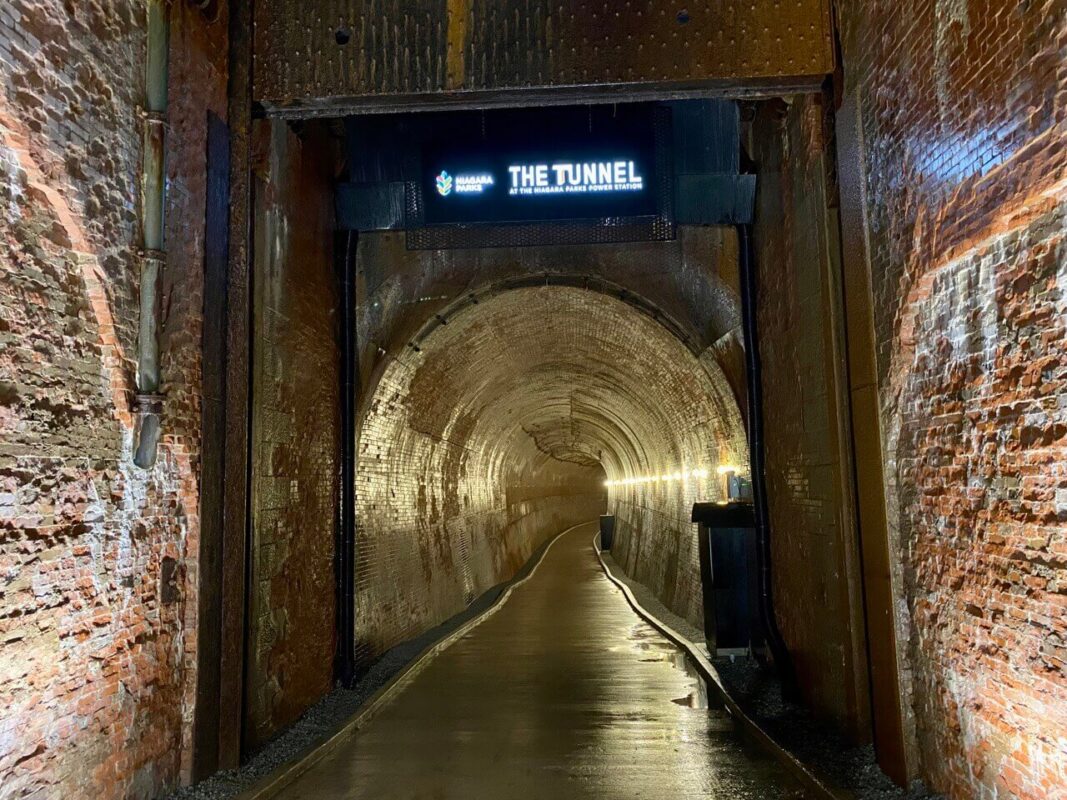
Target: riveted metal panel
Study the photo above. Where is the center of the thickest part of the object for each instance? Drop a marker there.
(308, 49)
(325, 56)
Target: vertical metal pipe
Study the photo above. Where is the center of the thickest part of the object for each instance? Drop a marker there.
(346, 590)
(753, 368)
(240, 338)
(153, 210)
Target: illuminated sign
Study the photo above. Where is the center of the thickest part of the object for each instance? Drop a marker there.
(533, 165)
(462, 184)
(541, 179)
(574, 177)
(473, 184)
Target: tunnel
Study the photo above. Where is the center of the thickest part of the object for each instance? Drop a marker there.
(460, 399)
(521, 412)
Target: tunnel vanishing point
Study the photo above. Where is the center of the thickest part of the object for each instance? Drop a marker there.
(446, 398)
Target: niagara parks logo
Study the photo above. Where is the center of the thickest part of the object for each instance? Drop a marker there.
(467, 183)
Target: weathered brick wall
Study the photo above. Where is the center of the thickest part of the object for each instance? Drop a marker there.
(963, 108)
(497, 430)
(97, 558)
(459, 476)
(813, 540)
(691, 282)
(198, 77)
(295, 429)
(656, 540)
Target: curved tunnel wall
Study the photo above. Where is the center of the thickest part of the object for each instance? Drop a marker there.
(701, 429)
(502, 427)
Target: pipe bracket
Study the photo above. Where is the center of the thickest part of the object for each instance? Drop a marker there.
(149, 403)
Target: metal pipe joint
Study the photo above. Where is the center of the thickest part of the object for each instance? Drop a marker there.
(148, 430)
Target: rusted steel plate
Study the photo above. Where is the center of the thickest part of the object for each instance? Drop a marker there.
(345, 54)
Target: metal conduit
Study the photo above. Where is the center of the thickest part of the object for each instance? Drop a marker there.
(153, 210)
(345, 667)
(749, 294)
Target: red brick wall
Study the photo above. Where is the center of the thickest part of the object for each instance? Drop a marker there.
(816, 579)
(963, 108)
(295, 429)
(198, 77)
(96, 557)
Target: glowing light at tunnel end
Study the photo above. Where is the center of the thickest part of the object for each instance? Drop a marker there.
(670, 477)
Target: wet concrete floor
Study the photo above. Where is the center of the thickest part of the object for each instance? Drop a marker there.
(563, 693)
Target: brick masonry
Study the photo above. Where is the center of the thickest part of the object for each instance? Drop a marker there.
(816, 578)
(112, 698)
(491, 435)
(963, 107)
(691, 281)
(97, 558)
(699, 427)
(440, 519)
(198, 75)
(962, 110)
(295, 429)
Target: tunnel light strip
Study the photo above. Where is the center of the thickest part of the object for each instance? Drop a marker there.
(670, 477)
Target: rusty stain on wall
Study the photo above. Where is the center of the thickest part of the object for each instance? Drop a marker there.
(459, 12)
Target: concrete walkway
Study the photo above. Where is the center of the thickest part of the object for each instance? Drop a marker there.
(563, 693)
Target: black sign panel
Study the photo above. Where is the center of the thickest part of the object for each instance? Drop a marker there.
(546, 164)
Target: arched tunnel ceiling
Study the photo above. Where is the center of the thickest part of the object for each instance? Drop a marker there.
(559, 373)
(500, 426)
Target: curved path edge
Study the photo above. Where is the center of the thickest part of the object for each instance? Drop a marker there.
(277, 780)
(799, 769)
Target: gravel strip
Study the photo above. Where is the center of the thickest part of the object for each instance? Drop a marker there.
(757, 690)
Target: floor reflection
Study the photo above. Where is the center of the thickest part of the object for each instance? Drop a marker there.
(564, 693)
